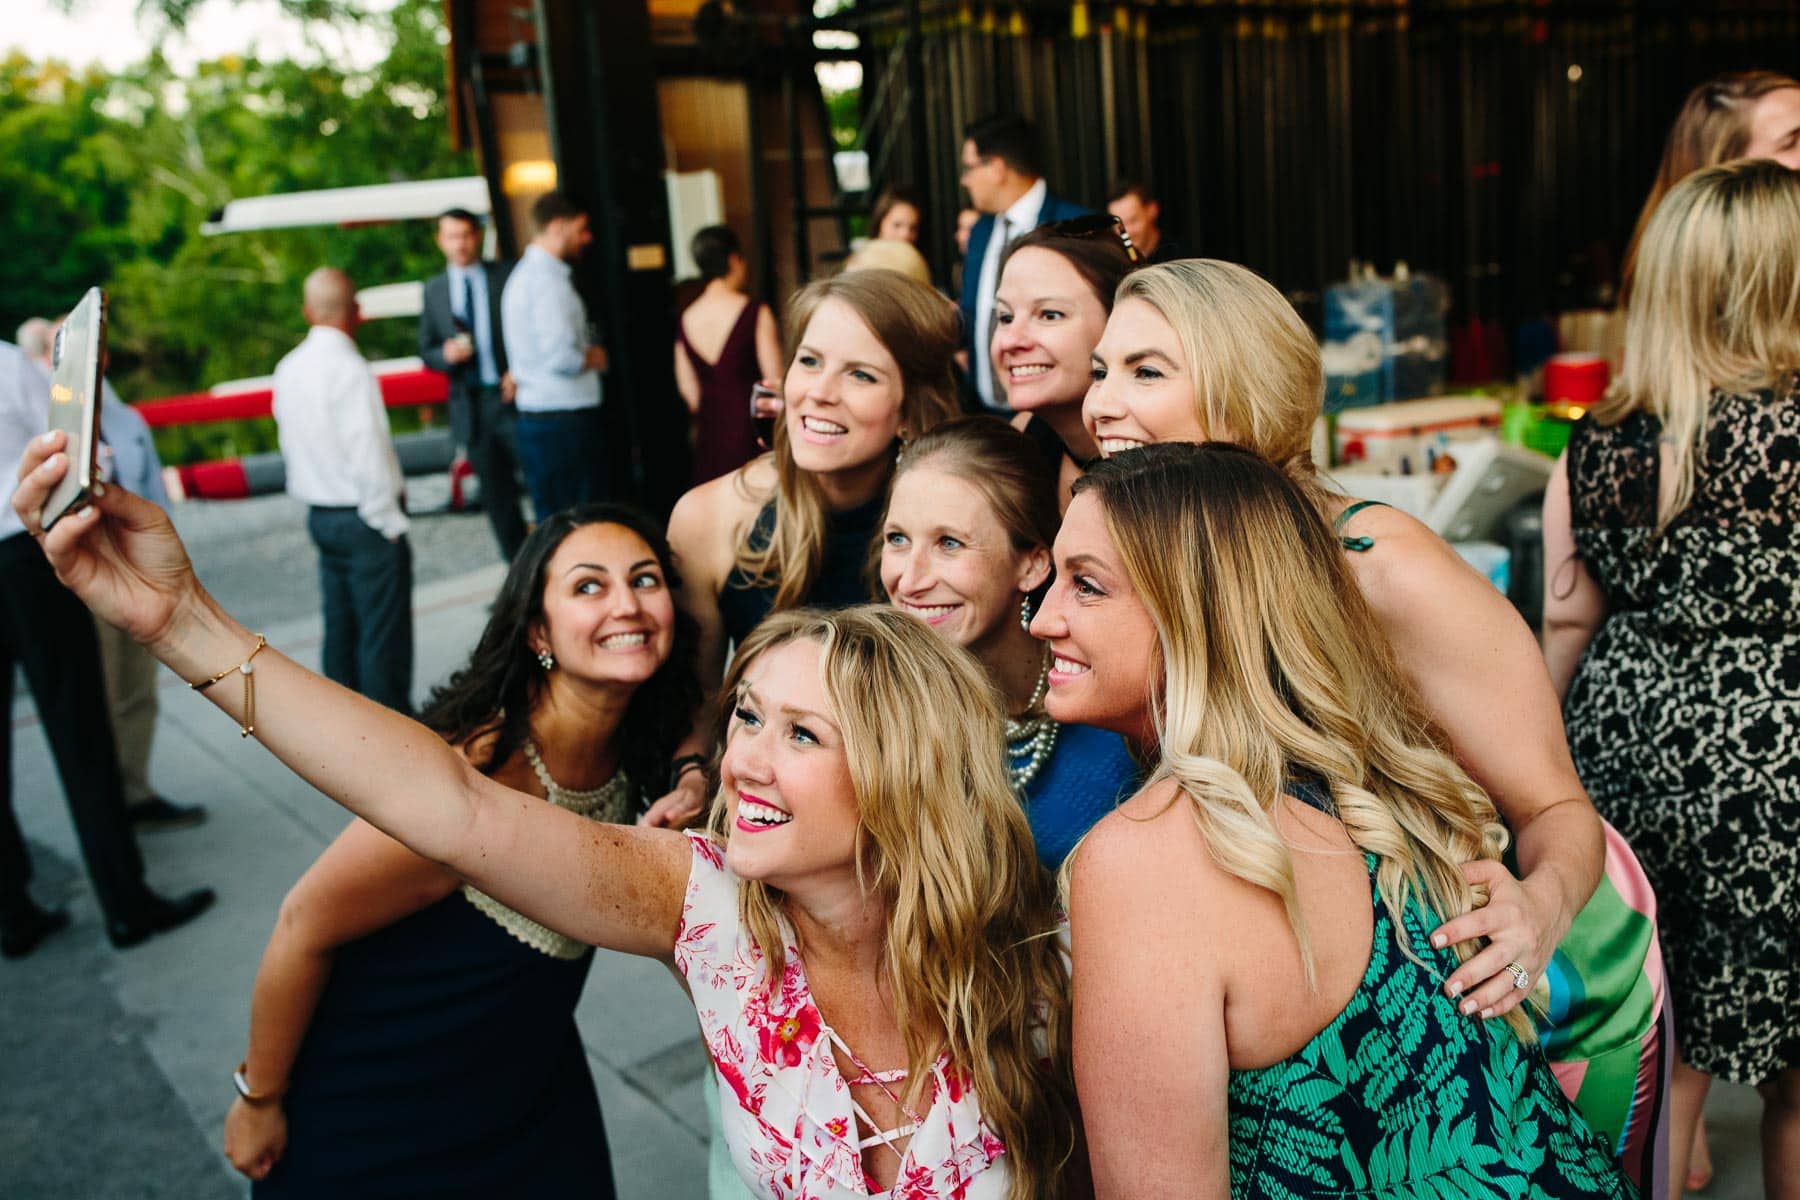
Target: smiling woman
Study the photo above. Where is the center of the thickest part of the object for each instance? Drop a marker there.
(1054, 295)
(1201, 350)
(871, 368)
(480, 1082)
(965, 547)
(876, 976)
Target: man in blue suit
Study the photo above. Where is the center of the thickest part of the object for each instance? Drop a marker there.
(1005, 182)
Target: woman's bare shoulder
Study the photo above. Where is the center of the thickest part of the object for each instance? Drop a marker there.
(711, 520)
(1404, 562)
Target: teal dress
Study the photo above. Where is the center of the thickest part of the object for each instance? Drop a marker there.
(1403, 1096)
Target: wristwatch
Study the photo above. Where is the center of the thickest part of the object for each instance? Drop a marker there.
(684, 764)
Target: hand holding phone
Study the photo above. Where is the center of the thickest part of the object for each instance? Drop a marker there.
(75, 403)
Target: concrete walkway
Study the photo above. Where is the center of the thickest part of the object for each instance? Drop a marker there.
(114, 1068)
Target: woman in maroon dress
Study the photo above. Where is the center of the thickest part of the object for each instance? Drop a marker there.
(724, 342)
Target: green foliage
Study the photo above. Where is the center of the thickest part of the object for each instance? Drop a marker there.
(108, 178)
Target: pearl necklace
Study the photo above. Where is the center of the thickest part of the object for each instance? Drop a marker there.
(1030, 740)
(604, 803)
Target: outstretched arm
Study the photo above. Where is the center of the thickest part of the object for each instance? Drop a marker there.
(608, 885)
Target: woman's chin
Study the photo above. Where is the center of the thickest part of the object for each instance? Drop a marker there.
(1041, 401)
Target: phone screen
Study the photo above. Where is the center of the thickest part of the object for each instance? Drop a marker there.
(75, 401)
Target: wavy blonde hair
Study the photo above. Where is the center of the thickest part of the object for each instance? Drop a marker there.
(942, 841)
(1712, 127)
(1270, 675)
(1252, 362)
(1719, 307)
(919, 328)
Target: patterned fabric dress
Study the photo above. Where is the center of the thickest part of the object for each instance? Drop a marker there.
(1684, 714)
(1403, 1096)
(1604, 1019)
(788, 1115)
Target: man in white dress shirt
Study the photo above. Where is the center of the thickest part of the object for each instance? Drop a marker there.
(555, 366)
(340, 462)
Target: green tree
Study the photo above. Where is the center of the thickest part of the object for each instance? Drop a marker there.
(110, 177)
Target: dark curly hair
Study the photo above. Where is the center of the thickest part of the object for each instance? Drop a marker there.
(496, 692)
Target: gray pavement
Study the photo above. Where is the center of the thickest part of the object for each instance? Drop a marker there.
(115, 1067)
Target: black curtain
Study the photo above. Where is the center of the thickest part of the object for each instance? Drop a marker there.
(1505, 147)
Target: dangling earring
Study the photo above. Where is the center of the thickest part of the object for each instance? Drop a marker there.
(545, 659)
(1025, 614)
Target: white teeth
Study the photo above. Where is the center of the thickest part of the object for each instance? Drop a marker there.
(758, 813)
(932, 610)
(1120, 445)
(619, 641)
(1030, 369)
(816, 425)
(1067, 666)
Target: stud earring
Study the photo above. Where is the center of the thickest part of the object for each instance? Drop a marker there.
(545, 659)
(1025, 614)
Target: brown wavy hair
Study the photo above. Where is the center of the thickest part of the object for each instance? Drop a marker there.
(920, 329)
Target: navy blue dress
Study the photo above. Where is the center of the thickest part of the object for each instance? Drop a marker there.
(843, 578)
(1089, 771)
(443, 1062)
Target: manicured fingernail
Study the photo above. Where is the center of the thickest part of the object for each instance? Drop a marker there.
(1486, 1013)
(1468, 1007)
(1456, 988)
(44, 439)
(1437, 939)
(99, 489)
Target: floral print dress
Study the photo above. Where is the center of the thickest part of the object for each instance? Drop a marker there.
(787, 1111)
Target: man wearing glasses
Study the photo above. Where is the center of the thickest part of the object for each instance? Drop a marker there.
(1001, 172)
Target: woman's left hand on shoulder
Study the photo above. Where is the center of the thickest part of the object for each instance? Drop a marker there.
(1520, 927)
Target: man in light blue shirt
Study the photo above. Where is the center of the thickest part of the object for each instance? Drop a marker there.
(555, 366)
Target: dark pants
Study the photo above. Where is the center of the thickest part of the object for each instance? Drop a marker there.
(45, 629)
(493, 450)
(565, 459)
(367, 586)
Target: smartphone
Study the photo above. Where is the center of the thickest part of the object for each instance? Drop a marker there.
(75, 403)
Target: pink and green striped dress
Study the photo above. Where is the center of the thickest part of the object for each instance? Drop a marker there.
(1606, 1025)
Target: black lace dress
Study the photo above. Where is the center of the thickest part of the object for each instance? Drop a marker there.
(1684, 714)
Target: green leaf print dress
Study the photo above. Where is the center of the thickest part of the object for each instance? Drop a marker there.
(1403, 1096)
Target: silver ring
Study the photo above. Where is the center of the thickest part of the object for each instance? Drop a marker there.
(1521, 977)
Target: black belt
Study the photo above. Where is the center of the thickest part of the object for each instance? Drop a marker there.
(332, 507)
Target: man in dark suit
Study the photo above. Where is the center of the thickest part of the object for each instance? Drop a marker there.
(460, 335)
(1001, 172)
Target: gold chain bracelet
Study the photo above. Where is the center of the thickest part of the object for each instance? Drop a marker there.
(248, 670)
